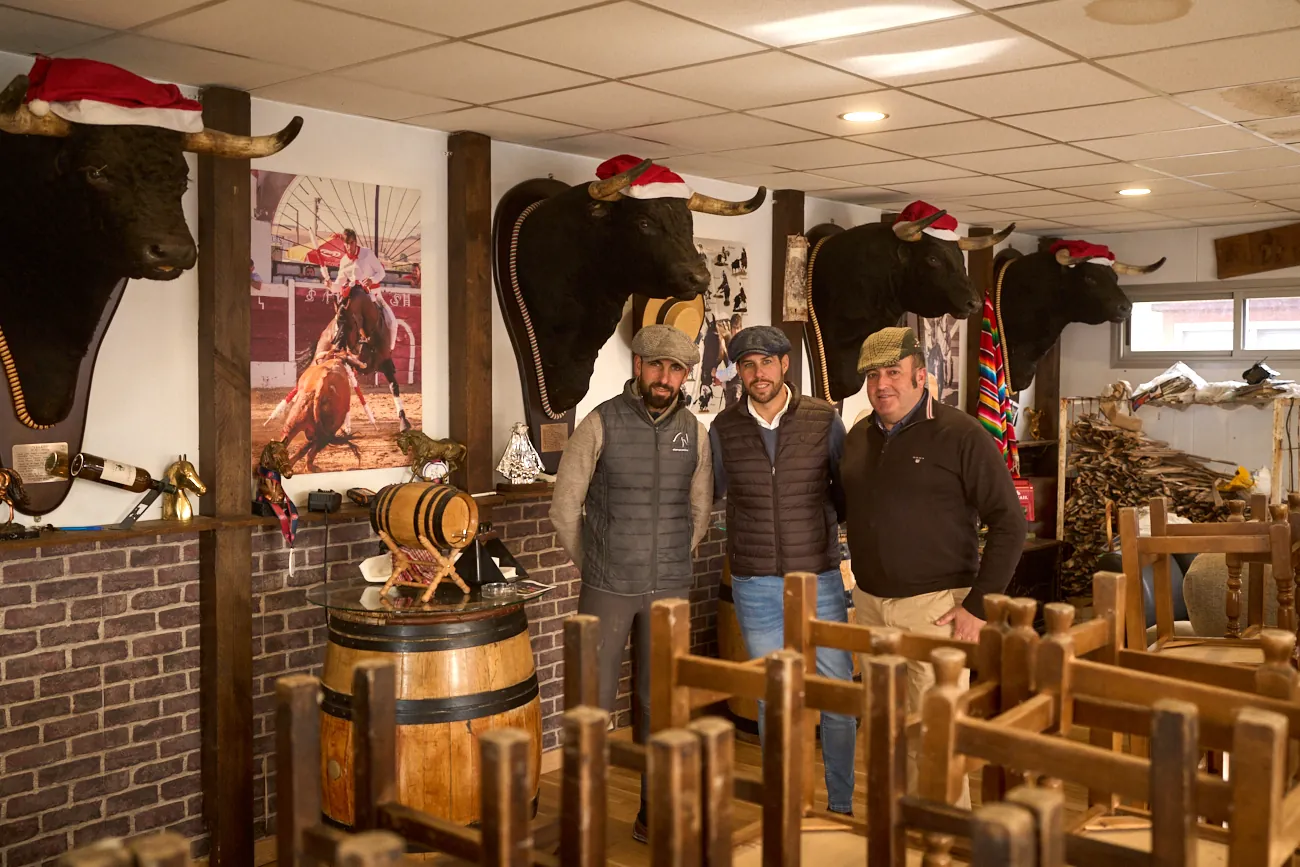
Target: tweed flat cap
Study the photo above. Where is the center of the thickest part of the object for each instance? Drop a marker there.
(664, 341)
(888, 347)
(765, 339)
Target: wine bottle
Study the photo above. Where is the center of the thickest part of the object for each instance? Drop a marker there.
(87, 466)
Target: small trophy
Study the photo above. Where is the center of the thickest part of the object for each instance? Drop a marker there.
(520, 463)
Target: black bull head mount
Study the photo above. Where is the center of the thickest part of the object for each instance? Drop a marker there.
(1043, 292)
(99, 205)
(574, 255)
(868, 278)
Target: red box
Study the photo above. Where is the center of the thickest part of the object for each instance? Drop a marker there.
(1025, 491)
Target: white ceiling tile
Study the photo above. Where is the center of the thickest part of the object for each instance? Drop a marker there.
(720, 132)
(1157, 186)
(1245, 60)
(823, 115)
(496, 123)
(999, 4)
(790, 181)
(1281, 129)
(1257, 178)
(1106, 121)
(771, 78)
(982, 218)
(1272, 192)
(27, 33)
(1152, 227)
(1032, 90)
(456, 19)
(874, 196)
(604, 145)
(1116, 173)
(953, 48)
(1248, 101)
(1292, 204)
(1012, 201)
(1101, 28)
(1130, 219)
(618, 40)
(1207, 212)
(1160, 201)
(820, 154)
(900, 172)
(355, 97)
(118, 16)
(952, 138)
(1052, 156)
(610, 105)
(1241, 221)
(793, 22)
(1039, 225)
(1227, 161)
(469, 73)
(1075, 209)
(167, 61)
(715, 166)
(959, 188)
(1202, 140)
(321, 38)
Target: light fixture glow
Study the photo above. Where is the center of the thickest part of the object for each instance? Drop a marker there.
(863, 116)
(1135, 191)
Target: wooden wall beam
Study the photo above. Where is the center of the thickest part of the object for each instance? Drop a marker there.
(787, 219)
(469, 306)
(225, 442)
(979, 265)
(1047, 378)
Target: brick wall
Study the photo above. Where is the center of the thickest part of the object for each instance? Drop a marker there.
(99, 671)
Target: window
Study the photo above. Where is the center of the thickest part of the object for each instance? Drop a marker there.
(1250, 320)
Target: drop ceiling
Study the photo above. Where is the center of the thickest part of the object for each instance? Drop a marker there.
(998, 110)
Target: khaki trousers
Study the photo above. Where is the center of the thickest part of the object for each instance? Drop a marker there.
(914, 614)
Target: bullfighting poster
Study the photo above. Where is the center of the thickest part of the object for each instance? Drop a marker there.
(334, 289)
(713, 384)
(941, 341)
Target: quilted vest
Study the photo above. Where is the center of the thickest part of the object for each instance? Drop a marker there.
(636, 533)
(779, 516)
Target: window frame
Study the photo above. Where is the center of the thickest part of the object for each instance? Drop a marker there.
(1238, 291)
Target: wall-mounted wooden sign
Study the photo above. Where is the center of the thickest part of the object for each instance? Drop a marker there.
(1256, 252)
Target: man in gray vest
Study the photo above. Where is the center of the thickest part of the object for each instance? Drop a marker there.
(632, 500)
(776, 458)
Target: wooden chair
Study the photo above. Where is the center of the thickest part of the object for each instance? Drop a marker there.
(165, 849)
(1242, 542)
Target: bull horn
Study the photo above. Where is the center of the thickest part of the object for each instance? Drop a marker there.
(248, 147)
(1063, 256)
(723, 208)
(611, 189)
(19, 119)
(910, 230)
(1121, 268)
(985, 241)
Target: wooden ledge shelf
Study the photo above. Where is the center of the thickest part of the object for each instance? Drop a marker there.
(199, 524)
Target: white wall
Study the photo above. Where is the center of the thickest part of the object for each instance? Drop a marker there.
(1242, 434)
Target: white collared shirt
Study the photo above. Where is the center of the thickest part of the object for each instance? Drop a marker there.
(776, 419)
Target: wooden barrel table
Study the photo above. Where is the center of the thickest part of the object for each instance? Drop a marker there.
(743, 712)
(463, 667)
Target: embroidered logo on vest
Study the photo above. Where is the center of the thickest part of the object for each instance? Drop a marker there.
(681, 442)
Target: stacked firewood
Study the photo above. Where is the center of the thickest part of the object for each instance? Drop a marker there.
(1127, 468)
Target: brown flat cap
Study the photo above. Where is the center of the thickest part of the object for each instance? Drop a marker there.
(664, 341)
(888, 347)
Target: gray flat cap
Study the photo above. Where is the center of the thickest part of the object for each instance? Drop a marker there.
(764, 339)
(663, 341)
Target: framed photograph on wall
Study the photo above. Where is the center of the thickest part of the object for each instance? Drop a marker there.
(941, 342)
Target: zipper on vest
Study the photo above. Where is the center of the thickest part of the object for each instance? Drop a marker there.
(654, 518)
(776, 507)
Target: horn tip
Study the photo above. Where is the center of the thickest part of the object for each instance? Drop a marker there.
(1158, 264)
(285, 137)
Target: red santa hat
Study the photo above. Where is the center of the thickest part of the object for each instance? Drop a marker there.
(1098, 254)
(656, 182)
(87, 91)
(944, 228)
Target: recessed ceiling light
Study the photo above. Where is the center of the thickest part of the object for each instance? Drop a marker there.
(1135, 191)
(863, 116)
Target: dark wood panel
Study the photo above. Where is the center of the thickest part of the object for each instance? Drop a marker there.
(469, 305)
(1257, 252)
(225, 601)
(1047, 380)
(787, 219)
(979, 265)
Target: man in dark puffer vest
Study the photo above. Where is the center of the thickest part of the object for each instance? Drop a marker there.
(776, 457)
(632, 500)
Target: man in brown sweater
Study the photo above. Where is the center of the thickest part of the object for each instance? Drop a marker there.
(920, 477)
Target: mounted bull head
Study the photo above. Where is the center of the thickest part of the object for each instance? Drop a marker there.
(868, 277)
(1043, 292)
(587, 248)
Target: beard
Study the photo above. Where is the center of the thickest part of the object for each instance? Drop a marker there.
(655, 398)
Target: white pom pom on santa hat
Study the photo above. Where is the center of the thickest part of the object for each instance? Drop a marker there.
(944, 228)
(91, 92)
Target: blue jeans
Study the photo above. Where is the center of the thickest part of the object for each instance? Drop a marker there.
(760, 610)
